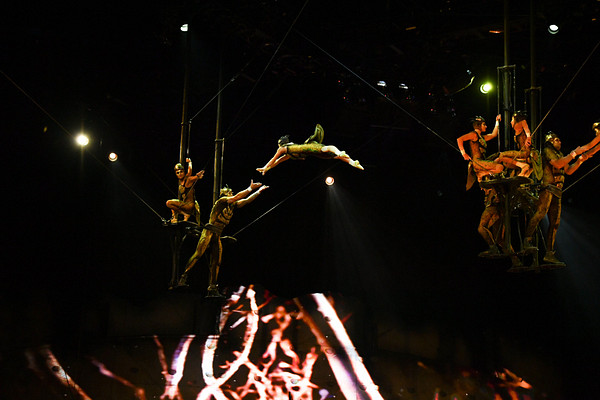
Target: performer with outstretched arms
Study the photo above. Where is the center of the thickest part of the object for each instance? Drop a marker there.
(555, 166)
(592, 147)
(220, 216)
(312, 147)
(186, 203)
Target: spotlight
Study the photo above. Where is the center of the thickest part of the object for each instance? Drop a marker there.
(113, 157)
(184, 28)
(382, 84)
(553, 29)
(82, 140)
(329, 180)
(485, 88)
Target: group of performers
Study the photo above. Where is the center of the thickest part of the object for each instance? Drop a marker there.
(538, 179)
(210, 239)
(539, 176)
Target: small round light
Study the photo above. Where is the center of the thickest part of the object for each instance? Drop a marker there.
(329, 180)
(553, 29)
(184, 28)
(485, 88)
(113, 157)
(82, 140)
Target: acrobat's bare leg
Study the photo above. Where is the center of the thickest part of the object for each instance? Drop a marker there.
(485, 168)
(526, 169)
(203, 242)
(215, 264)
(175, 206)
(334, 150)
(342, 156)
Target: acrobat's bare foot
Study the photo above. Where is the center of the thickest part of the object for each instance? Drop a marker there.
(262, 170)
(342, 156)
(525, 171)
(356, 164)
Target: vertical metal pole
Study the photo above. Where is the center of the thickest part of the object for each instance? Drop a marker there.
(219, 143)
(176, 235)
(183, 151)
(507, 116)
(506, 85)
(534, 95)
(498, 83)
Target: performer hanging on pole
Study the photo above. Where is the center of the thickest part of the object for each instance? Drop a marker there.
(186, 204)
(526, 159)
(312, 147)
(479, 166)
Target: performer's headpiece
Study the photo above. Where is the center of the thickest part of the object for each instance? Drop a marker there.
(551, 136)
(178, 166)
(519, 116)
(225, 190)
(283, 140)
(477, 121)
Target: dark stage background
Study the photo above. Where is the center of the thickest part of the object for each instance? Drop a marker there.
(86, 258)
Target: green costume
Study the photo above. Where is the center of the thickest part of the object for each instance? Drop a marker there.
(311, 147)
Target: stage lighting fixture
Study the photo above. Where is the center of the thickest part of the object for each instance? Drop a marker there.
(82, 140)
(382, 84)
(485, 88)
(329, 180)
(184, 28)
(553, 29)
(113, 157)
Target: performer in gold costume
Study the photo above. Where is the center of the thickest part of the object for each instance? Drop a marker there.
(186, 203)
(555, 165)
(220, 216)
(313, 146)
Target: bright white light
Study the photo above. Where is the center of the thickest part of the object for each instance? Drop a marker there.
(329, 180)
(82, 140)
(113, 157)
(553, 29)
(485, 88)
(184, 28)
(381, 83)
(403, 86)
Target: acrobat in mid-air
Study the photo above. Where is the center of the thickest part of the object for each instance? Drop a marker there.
(311, 147)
